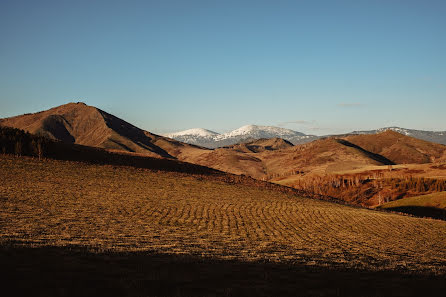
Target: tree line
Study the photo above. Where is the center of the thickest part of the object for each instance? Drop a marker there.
(19, 142)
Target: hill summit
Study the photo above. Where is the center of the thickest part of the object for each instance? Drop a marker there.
(87, 125)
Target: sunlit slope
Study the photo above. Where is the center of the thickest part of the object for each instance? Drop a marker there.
(399, 148)
(87, 125)
(431, 205)
(121, 208)
(437, 200)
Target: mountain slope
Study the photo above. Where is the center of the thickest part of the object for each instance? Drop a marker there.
(431, 136)
(260, 145)
(197, 136)
(431, 205)
(401, 149)
(320, 156)
(87, 125)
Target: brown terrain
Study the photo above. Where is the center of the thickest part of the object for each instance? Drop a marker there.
(399, 148)
(93, 206)
(87, 229)
(87, 125)
(260, 145)
(352, 168)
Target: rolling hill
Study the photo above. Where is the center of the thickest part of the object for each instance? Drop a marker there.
(139, 232)
(431, 136)
(87, 125)
(399, 148)
(431, 205)
(320, 156)
(260, 145)
(267, 158)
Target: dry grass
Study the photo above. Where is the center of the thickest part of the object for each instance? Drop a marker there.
(107, 208)
(437, 200)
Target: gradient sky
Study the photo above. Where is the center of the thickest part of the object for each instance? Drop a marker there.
(317, 67)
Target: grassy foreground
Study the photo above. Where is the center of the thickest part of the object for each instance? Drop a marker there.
(73, 219)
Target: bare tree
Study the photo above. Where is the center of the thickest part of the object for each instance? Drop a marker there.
(18, 148)
(39, 148)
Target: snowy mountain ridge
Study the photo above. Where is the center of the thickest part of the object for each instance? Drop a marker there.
(194, 132)
(254, 131)
(211, 139)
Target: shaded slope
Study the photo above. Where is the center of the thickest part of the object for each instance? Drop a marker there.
(261, 145)
(399, 148)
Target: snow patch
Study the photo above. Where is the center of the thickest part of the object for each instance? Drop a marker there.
(193, 132)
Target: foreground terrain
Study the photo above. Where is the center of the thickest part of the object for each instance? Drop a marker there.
(154, 233)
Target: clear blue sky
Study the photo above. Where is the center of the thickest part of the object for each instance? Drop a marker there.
(313, 66)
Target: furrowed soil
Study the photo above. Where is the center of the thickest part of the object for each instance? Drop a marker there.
(71, 228)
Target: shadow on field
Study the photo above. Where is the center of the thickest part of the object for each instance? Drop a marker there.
(75, 272)
(421, 211)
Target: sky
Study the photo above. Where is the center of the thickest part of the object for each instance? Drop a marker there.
(317, 67)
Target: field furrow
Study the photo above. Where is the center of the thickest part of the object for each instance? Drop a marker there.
(120, 208)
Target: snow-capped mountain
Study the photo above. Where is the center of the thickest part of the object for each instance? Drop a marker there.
(256, 132)
(196, 132)
(212, 139)
(432, 136)
(197, 136)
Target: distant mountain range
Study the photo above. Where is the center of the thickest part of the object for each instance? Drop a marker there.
(211, 139)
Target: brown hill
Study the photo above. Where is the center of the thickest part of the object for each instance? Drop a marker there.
(81, 124)
(259, 160)
(229, 160)
(21, 143)
(261, 145)
(399, 148)
(87, 125)
(319, 156)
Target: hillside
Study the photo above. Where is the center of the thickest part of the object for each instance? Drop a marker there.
(260, 145)
(319, 156)
(87, 125)
(398, 148)
(103, 212)
(268, 158)
(20, 143)
(431, 136)
(431, 205)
